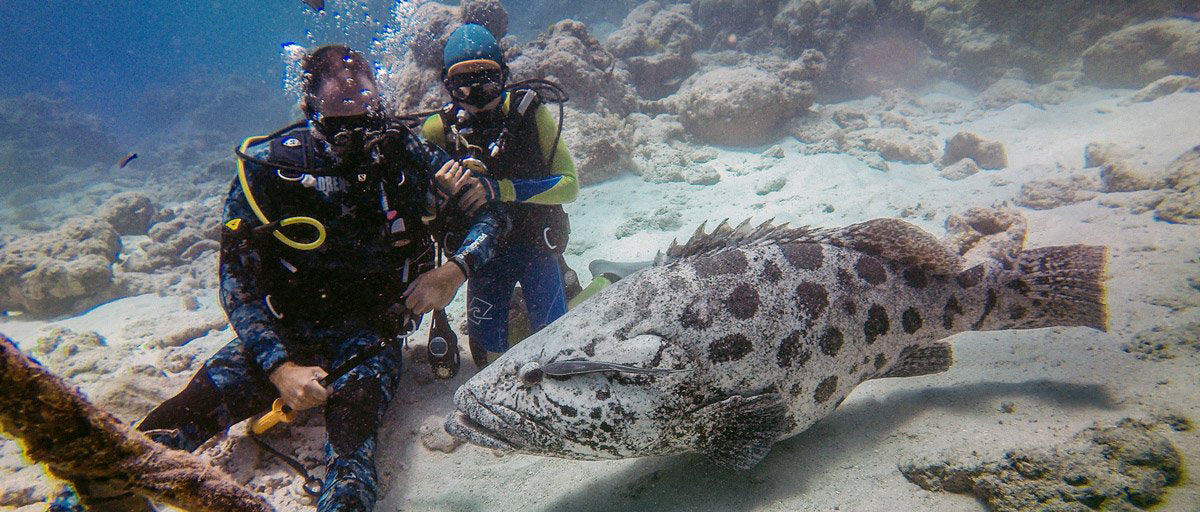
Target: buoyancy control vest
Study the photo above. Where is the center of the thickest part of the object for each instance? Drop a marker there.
(507, 142)
(375, 241)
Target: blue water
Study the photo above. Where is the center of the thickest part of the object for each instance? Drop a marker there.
(120, 59)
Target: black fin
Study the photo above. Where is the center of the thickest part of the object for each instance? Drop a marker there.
(927, 360)
(738, 432)
(1070, 280)
(890, 239)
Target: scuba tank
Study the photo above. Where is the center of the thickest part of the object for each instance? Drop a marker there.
(442, 347)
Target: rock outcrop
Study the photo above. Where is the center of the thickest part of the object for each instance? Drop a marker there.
(59, 271)
(656, 44)
(988, 154)
(1127, 466)
(1140, 54)
(1182, 205)
(568, 55)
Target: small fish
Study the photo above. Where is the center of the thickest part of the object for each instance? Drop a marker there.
(317, 5)
(749, 335)
(125, 161)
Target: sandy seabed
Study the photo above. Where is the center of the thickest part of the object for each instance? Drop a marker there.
(1058, 380)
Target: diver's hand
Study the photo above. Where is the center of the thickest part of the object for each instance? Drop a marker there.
(434, 289)
(451, 177)
(475, 196)
(298, 385)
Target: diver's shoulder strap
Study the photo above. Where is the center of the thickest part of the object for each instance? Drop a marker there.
(294, 148)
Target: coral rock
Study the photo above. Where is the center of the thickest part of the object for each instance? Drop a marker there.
(899, 145)
(129, 213)
(656, 45)
(980, 234)
(1140, 54)
(60, 271)
(599, 144)
(570, 56)
(1056, 192)
(959, 170)
(1183, 176)
(988, 154)
(1165, 86)
(488, 13)
(434, 436)
(1121, 176)
(1184, 172)
(1097, 154)
(739, 107)
(1127, 466)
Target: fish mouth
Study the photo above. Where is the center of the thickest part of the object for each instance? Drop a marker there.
(496, 426)
(461, 426)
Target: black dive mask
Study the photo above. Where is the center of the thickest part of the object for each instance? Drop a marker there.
(476, 89)
(349, 135)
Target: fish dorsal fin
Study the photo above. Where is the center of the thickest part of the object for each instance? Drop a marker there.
(890, 239)
(899, 241)
(738, 432)
(915, 361)
(744, 235)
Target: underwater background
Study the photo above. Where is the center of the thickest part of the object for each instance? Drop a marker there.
(1083, 117)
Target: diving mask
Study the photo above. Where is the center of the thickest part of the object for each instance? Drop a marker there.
(476, 89)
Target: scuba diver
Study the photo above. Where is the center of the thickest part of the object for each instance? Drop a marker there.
(510, 142)
(325, 263)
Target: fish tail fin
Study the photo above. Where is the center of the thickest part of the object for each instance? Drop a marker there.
(1060, 286)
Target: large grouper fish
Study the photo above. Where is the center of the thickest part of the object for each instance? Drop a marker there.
(745, 336)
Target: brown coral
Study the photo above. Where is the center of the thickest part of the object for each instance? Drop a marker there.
(78, 441)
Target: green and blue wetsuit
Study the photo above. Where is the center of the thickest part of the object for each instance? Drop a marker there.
(522, 174)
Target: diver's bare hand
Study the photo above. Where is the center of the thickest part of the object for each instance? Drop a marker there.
(449, 178)
(434, 289)
(475, 196)
(299, 386)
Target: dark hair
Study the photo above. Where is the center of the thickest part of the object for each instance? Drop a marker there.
(332, 60)
(332, 77)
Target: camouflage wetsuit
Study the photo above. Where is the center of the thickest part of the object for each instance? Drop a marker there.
(319, 307)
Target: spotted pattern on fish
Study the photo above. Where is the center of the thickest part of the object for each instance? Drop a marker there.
(876, 324)
(803, 256)
(825, 389)
(911, 320)
(812, 299)
(791, 352)
(831, 341)
(727, 262)
(870, 269)
(771, 272)
(743, 301)
(729, 348)
(952, 310)
(916, 278)
(772, 327)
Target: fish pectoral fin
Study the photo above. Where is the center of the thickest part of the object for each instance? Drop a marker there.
(738, 432)
(927, 360)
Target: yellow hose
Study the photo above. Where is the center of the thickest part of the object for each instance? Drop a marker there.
(290, 221)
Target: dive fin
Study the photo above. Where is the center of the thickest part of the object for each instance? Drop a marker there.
(915, 361)
(616, 270)
(738, 432)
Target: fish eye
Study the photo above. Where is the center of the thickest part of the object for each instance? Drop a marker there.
(530, 374)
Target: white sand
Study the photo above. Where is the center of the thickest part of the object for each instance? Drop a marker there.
(1060, 380)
